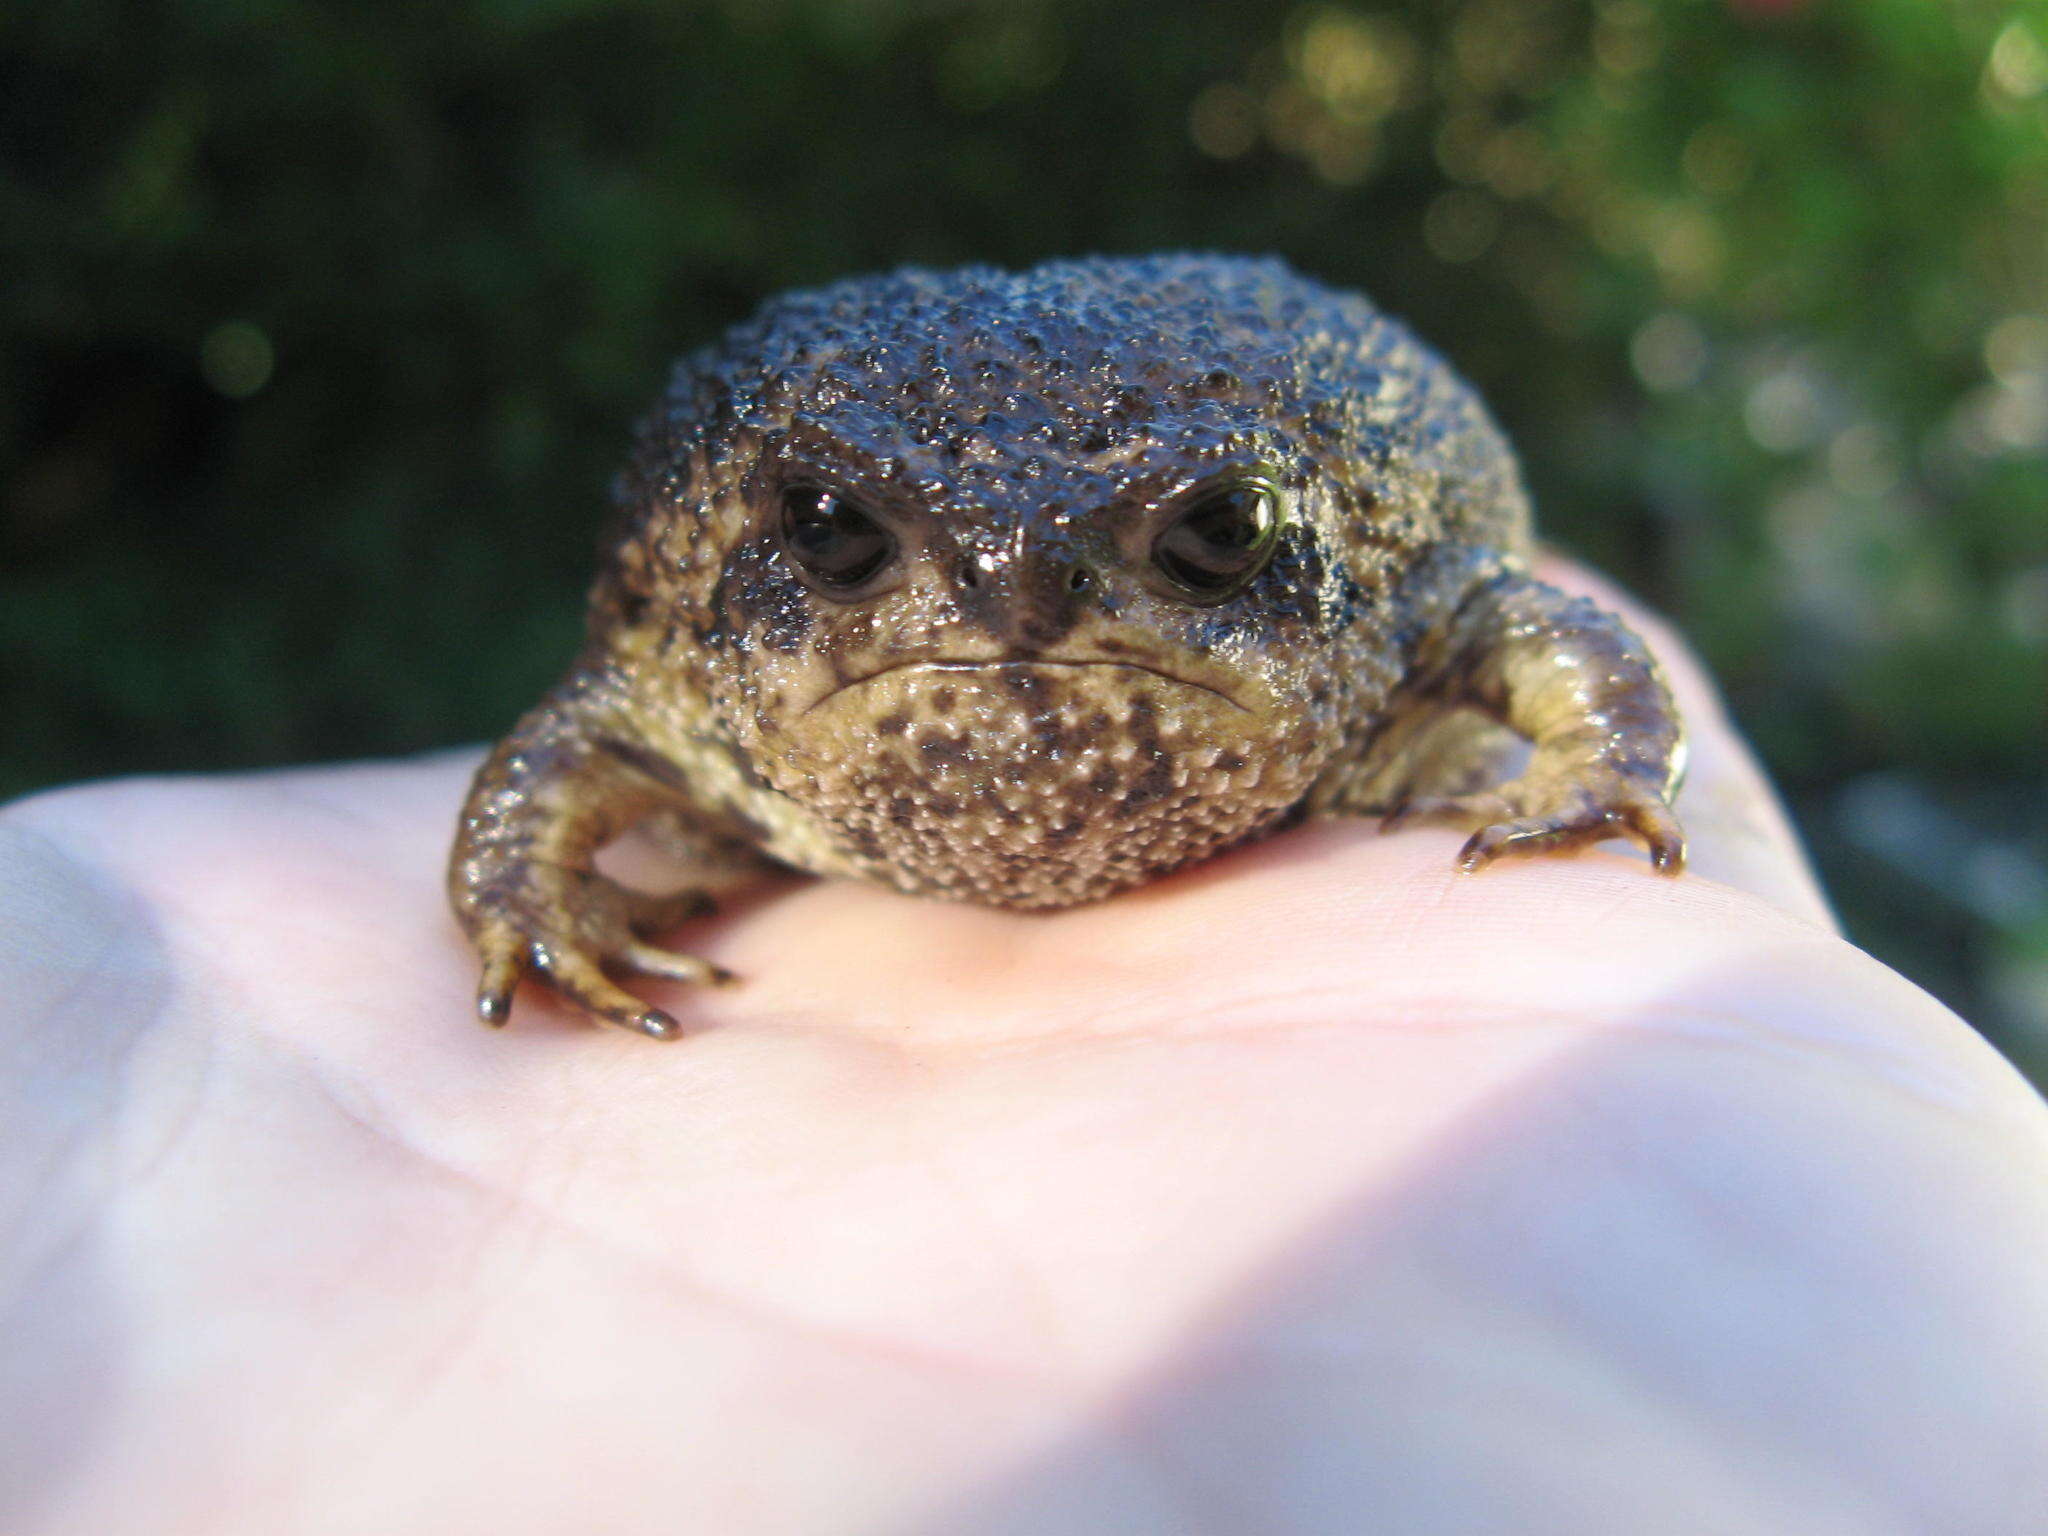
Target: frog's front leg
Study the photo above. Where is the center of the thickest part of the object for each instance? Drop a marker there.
(1607, 747)
(521, 877)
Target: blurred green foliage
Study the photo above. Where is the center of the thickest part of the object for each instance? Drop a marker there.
(325, 327)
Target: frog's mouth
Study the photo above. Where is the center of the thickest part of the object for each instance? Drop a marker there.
(1025, 666)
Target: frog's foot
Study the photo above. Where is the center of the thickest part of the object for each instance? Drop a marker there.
(569, 925)
(1545, 811)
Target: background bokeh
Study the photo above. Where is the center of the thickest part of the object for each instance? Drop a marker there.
(322, 329)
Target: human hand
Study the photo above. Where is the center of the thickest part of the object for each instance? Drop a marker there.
(1319, 1188)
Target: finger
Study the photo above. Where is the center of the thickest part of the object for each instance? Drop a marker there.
(1736, 830)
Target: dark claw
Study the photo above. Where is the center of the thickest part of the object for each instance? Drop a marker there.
(494, 1008)
(657, 1025)
(1479, 851)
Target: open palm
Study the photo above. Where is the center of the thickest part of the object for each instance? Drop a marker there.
(1316, 1189)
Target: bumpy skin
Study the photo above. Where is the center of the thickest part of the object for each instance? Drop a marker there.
(1023, 710)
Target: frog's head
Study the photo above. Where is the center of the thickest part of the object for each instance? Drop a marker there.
(1024, 583)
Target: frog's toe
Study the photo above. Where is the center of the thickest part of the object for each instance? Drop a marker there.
(651, 960)
(505, 963)
(582, 981)
(1657, 829)
(1545, 815)
(1527, 834)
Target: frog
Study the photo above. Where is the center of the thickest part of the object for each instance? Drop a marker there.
(1029, 587)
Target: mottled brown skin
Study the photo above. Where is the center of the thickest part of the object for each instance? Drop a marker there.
(1023, 707)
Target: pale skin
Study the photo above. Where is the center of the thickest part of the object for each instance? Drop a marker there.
(1319, 1188)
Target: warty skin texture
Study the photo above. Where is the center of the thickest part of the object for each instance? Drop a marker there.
(1025, 704)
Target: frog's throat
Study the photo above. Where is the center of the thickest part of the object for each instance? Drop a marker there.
(1019, 665)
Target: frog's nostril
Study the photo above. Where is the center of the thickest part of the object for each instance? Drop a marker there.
(970, 574)
(1079, 579)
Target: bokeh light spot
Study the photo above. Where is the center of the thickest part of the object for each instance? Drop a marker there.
(1459, 226)
(1688, 250)
(1782, 412)
(1625, 40)
(1862, 462)
(2024, 604)
(1668, 352)
(236, 358)
(2017, 417)
(2018, 65)
(1357, 66)
(2017, 346)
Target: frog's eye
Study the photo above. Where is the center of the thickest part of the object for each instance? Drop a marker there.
(1218, 543)
(838, 543)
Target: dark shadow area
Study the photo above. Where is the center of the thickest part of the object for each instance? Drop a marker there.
(97, 981)
(1681, 1280)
